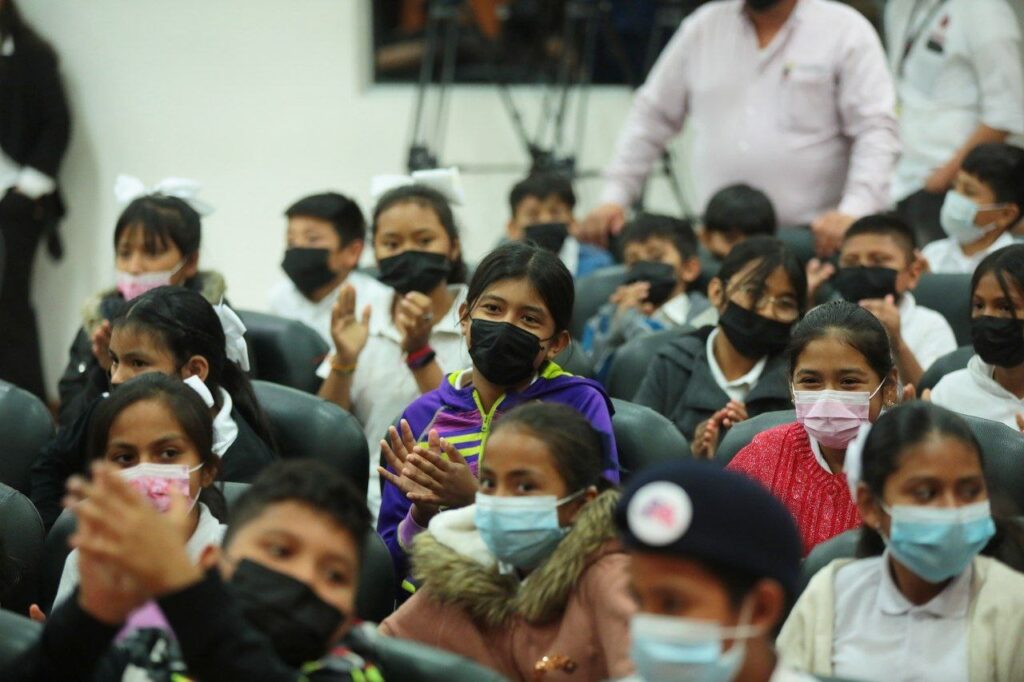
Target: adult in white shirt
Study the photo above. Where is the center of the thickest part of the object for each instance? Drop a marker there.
(791, 96)
(960, 81)
(992, 384)
(922, 604)
(326, 235)
(391, 346)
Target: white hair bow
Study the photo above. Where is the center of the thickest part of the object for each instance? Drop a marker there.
(197, 385)
(853, 464)
(236, 349)
(128, 188)
(443, 180)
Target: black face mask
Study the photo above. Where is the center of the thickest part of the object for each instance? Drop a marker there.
(307, 268)
(548, 236)
(418, 271)
(753, 335)
(857, 284)
(998, 340)
(502, 352)
(661, 277)
(761, 5)
(298, 623)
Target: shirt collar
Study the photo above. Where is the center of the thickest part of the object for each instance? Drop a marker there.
(952, 602)
(820, 458)
(7, 47)
(225, 430)
(907, 305)
(748, 379)
(676, 309)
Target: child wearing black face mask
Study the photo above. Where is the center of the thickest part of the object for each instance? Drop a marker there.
(992, 384)
(542, 212)
(661, 254)
(395, 343)
(708, 380)
(879, 267)
(515, 321)
(326, 235)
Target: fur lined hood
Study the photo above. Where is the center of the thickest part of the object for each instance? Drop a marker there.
(474, 583)
(103, 305)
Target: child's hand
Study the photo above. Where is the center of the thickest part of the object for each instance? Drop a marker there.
(630, 296)
(348, 333)
(705, 437)
(100, 339)
(449, 482)
(35, 613)
(888, 313)
(397, 456)
(108, 594)
(818, 273)
(730, 415)
(400, 447)
(828, 230)
(414, 318)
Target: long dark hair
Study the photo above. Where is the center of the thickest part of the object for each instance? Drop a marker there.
(1007, 266)
(188, 409)
(576, 447)
(904, 427)
(543, 269)
(855, 326)
(187, 325)
(429, 198)
(162, 219)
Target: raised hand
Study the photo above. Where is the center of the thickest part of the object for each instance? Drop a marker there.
(446, 482)
(349, 334)
(100, 339)
(414, 318)
(605, 220)
(818, 272)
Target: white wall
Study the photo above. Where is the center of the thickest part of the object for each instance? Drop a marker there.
(262, 101)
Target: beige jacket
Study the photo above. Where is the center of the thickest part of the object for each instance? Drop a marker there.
(570, 616)
(995, 629)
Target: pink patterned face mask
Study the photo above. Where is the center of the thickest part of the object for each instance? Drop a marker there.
(156, 482)
(833, 417)
(132, 286)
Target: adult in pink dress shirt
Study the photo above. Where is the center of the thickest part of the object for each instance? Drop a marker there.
(791, 96)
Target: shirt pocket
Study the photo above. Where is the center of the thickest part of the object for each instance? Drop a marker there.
(809, 100)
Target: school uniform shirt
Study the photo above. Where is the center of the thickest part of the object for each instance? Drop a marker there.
(945, 255)
(963, 69)
(209, 531)
(925, 331)
(818, 101)
(455, 410)
(974, 391)
(582, 259)
(785, 461)
(681, 384)
(852, 622)
(287, 301)
(382, 386)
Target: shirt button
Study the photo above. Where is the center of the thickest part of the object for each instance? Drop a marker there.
(81, 367)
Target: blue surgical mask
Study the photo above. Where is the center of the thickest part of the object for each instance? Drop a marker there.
(957, 218)
(672, 648)
(937, 543)
(521, 531)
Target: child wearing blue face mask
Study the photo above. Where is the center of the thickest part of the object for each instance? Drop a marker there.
(920, 603)
(714, 563)
(986, 202)
(842, 373)
(529, 579)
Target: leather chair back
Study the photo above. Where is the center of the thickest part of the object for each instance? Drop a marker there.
(286, 351)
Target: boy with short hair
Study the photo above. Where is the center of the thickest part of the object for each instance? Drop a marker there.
(986, 202)
(326, 235)
(879, 267)
(542, 212)
(278, 608)
(715, 563)
(661, 254)
(735, 213)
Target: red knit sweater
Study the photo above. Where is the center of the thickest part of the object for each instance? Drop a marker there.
(781, 459)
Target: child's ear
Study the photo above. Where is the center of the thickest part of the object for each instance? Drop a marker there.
(351, 253)
(891, 390)
(515, 233)
(716, 293)
(464, 320)
(456, 251)
(191, 267)
(209, 473)
(197, 366)
(691, 270)
(209, 557)
(1009, 215)
(916, 268)
(868, 508)
(558, 344)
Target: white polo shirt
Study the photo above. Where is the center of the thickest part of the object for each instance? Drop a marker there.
(974, 391)
(287, 301)
(880, 636)
(963, 69)
(946, 255)
(925, 331)
(739, 388)
(382, 386)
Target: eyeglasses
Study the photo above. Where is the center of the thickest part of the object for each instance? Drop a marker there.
(784, 308)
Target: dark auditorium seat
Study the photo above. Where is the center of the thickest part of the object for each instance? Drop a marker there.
(950, 295)
(592, 292)
(575, 360)
(17, 634)
(21, 544)
(25, 427)
(629, 365)
(286, 351)
(947, 364)
(305, 426)
(644, 437)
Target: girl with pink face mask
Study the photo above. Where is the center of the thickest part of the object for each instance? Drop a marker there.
(156, 243)
(842, 375)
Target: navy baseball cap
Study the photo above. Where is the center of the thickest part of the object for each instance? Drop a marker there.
(693, 510)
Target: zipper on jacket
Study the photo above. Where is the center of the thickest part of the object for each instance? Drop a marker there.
(485, 423)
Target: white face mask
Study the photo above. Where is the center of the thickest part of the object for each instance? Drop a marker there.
(132, 286)
(957, 218)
